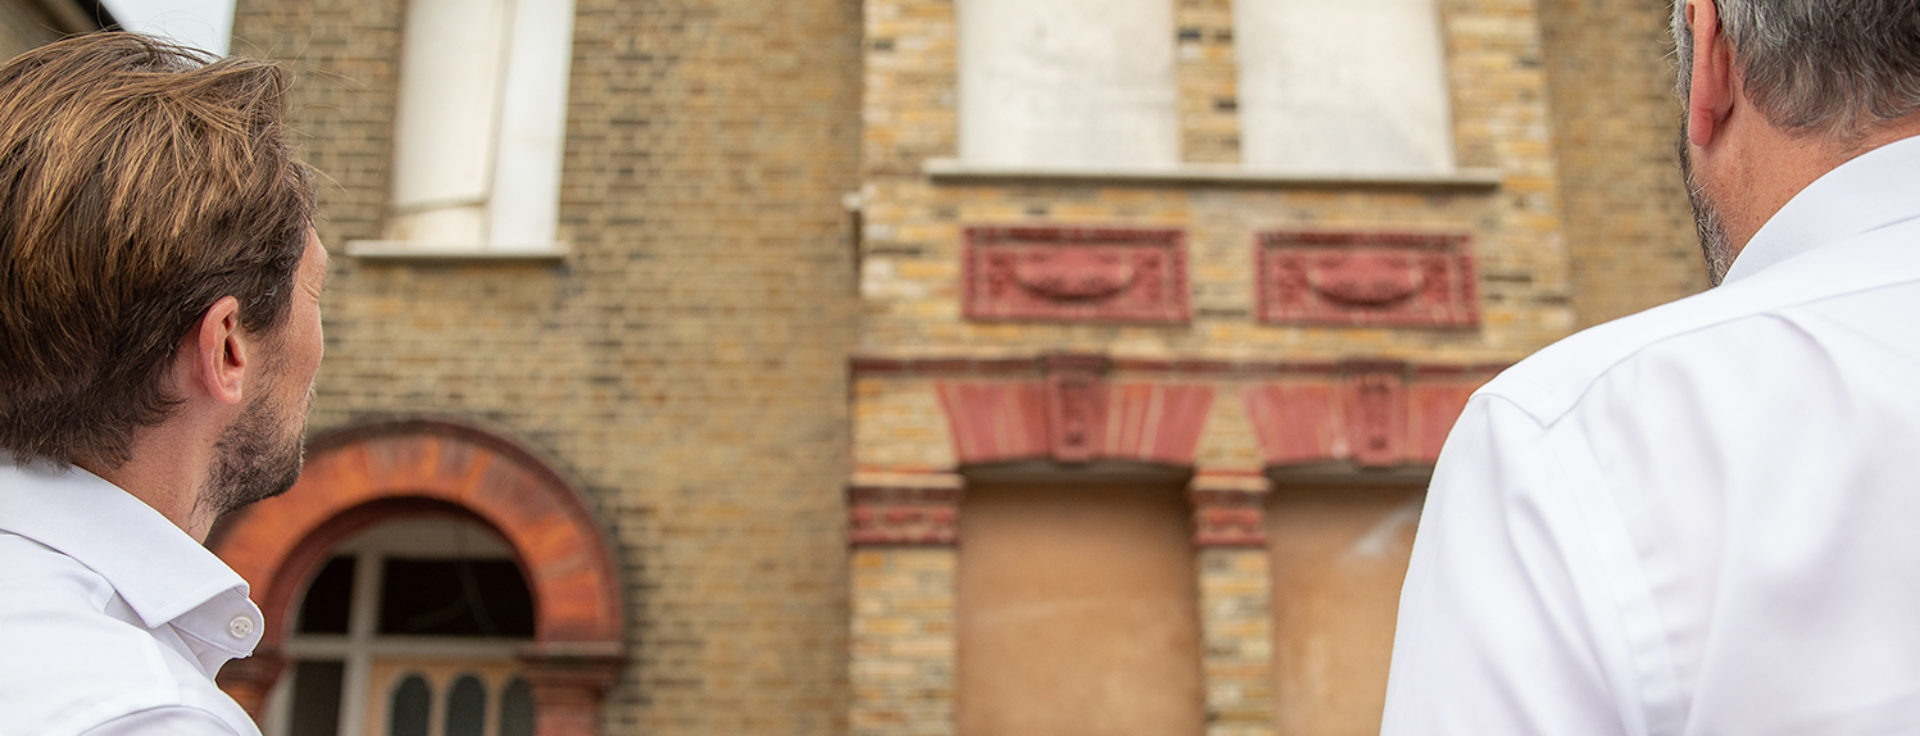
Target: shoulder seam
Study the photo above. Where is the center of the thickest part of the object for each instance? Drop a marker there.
(184, 708)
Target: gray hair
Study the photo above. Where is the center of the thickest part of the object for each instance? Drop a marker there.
(1838, 67)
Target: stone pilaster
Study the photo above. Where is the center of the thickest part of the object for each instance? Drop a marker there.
(903, 641)
(1236, 601)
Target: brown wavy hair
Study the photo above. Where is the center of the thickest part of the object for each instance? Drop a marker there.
(140, 182)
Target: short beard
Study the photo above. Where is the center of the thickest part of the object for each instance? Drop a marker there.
(1714, 247)
(256, 458)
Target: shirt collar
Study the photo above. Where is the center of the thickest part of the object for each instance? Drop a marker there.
(1870, 191)
(160, 571)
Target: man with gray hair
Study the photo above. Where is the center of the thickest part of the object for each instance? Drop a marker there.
(1700, 519)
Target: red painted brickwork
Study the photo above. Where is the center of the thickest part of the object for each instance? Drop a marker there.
(900, 515)
(1069, 274)
(1074, 415)
(1371, 415)
(1228, 518)
(1366, 278)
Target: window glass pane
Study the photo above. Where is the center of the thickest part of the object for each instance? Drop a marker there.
(516, 709)
(328, 599)
(410, 708)
(455, 598)
(316, 698)
(467, 707)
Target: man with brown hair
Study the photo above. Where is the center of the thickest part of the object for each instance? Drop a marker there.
(159, 334)
(1701, 519)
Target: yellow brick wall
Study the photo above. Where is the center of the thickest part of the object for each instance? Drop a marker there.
(685, 363)
(911, 239)
(1565, 100)
(1616, 122)
(1208, 86)
(24, 25)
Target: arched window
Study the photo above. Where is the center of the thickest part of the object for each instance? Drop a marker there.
(410, 629)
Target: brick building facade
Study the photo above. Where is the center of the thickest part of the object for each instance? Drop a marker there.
(25, 24)
(822, 405)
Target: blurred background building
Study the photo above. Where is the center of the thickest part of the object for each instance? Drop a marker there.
(902, 367)
(25, 24)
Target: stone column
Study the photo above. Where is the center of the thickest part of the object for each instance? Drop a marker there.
(1236, 600)
(903, 534)
(569, 683)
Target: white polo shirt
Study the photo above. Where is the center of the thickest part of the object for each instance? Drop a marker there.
(1701, 519)
(112, 620)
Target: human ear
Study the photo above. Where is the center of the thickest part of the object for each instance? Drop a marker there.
(1710, 96)
(215, 355)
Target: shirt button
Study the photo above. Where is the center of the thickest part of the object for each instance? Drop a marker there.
(240, 627)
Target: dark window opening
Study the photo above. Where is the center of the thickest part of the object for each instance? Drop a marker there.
(455, 598)
(329, 599)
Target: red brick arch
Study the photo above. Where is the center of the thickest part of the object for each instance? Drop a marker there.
(358, 477)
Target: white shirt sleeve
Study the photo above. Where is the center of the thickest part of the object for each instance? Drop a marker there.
(1504, 623)
(173, 720)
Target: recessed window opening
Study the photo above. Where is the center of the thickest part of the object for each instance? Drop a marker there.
(410, 629)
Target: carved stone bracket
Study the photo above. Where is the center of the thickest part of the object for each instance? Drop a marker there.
(1076, 405)
(1367, 279)
(1229, 508)
(905, 509)
(1066, 274)
(1376, 410)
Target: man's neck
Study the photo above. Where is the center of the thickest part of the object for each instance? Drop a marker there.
(167, 472)
(1777, 165)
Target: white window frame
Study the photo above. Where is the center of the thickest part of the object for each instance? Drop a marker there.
(478, 143)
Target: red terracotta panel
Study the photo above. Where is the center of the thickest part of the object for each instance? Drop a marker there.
(1434, 407)
(1297, 421)
(1366, 279)
(1069, 274)
(996, 422)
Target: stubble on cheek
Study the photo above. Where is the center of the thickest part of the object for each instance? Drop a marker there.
(1715, 248)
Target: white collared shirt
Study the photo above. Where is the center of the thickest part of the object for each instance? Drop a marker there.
(112, 620)
(1701, 519)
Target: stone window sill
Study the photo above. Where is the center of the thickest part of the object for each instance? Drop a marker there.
(948, 170)
(407, 250)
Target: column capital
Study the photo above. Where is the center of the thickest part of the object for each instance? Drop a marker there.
(1229, 508)
(904, 509)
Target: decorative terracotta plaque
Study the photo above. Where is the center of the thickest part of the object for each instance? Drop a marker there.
(1367, 279)
(1063, 274)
